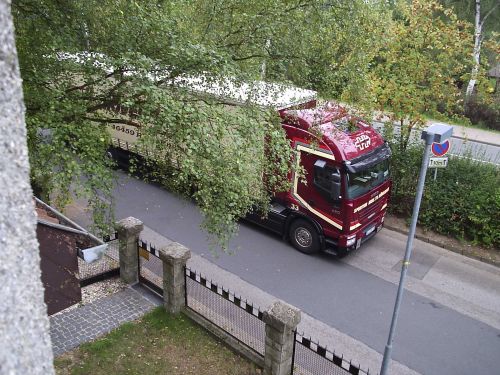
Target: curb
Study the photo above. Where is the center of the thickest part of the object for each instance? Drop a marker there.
(444, 246)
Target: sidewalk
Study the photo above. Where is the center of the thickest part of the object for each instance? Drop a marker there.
(490, 256)
(470, 133)
(73, 327)
(326, 335)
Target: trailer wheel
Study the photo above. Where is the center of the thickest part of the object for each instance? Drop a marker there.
(304, 236)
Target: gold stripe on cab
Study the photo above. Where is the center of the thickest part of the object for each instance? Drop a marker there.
(325, 155)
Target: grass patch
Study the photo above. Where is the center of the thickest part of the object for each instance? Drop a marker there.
(157, 344)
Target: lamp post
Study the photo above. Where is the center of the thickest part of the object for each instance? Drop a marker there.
(436, 133)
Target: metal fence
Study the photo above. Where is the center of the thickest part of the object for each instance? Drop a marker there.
(239, 318)
(106, 267)
(310, 358)
(150, 267)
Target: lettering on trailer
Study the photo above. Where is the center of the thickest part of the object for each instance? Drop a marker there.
(363, 142)
(124, 132)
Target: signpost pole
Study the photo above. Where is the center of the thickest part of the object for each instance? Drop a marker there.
(435, 173)
(432, 134)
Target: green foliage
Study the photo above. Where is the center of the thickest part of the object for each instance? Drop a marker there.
(324, 46)
(463, 201)
(482, 106)
(465, 9)
(404, 172)
(418, 70)
(200, 142)
(228, 160)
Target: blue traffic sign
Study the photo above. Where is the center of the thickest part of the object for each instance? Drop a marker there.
(439, 149)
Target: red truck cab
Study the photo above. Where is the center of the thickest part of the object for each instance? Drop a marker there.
(339, 196)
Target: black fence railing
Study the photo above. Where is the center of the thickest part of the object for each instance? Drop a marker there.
(150, 267)
(106, 267)
(310, 358)
(237, 317)
(240, 319)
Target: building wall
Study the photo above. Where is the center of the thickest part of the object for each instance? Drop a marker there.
(25, 346)
(59, 266)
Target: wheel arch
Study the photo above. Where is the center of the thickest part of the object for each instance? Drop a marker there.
(297, 215)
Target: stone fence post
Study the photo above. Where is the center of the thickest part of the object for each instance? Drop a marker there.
(281, 321)
(174, 257)
(128, 233)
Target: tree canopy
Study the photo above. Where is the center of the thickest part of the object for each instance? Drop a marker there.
(229, 161)
(214, 153)
(421, 67)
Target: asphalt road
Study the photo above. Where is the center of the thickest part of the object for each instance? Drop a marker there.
(431, 338)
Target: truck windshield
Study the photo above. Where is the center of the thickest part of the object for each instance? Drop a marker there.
(363, 181)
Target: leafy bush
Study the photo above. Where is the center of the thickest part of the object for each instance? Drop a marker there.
(463, 201)
(486, 113)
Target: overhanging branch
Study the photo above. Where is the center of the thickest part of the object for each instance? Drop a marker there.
(113, 121)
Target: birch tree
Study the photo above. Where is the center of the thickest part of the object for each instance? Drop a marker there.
(478, 40)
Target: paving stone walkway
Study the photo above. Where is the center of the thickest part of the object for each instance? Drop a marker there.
(75, 327)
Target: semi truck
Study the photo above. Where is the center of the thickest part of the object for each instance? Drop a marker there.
(339, 198)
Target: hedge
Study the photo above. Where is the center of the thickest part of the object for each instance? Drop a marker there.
(463, 201)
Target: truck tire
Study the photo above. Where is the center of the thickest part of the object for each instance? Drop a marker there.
(304, 236)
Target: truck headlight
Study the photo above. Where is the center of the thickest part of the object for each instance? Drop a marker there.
(351, 240)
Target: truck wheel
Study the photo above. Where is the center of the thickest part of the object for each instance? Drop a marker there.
(304, 237)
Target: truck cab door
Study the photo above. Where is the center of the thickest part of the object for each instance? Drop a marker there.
(319, 191)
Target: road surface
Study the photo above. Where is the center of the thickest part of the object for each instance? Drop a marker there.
(450, 318)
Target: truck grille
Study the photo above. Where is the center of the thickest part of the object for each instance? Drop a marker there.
(367, 213)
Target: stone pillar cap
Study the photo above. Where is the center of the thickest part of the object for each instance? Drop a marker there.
(130, 225)
(281, 314)
(175, 253)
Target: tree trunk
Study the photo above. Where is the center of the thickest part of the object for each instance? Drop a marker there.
(264, 63)
(478, 27)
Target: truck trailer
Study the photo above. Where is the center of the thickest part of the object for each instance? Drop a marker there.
(340, 200)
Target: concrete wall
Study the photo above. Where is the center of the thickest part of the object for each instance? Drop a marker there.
(25, 346)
